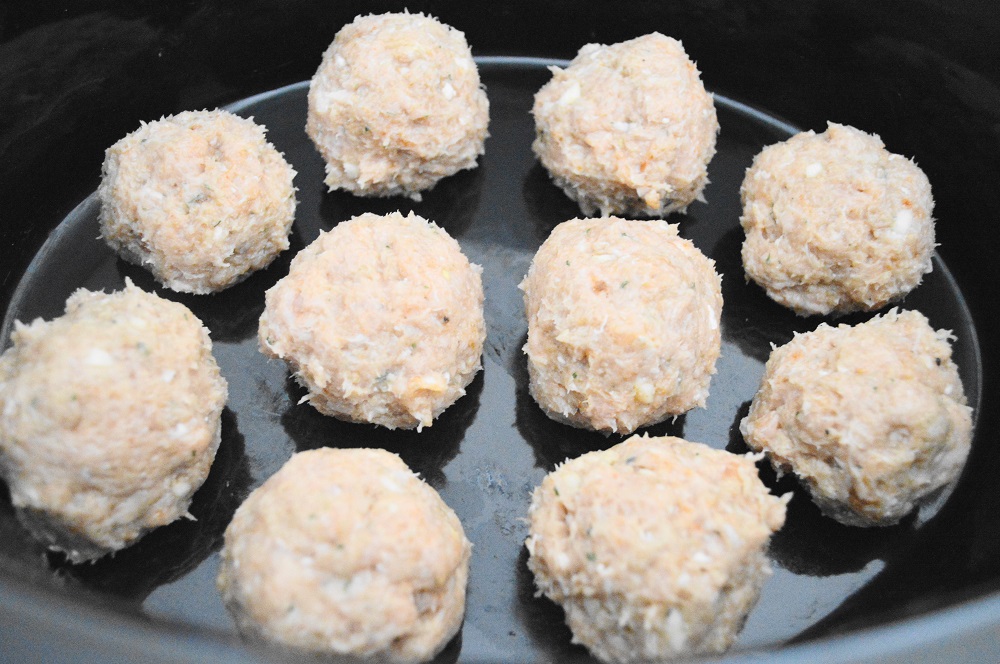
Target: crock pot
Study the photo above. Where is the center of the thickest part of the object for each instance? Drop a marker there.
(924, 75)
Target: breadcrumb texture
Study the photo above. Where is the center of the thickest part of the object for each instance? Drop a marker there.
(623, 323)
(200, 198)
(109, 419)
(871, 418)
(396, 105)
(835, 223)
(381, 319)
(346, 551)
(627, 129)
(655, 547)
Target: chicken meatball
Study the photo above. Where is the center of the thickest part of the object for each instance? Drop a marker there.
(381, 319)
(348, 552)
(201, 199)
(110, 417)
(835, 223)
(396, 105)
(871, 418)
(627, 129)
(623, 323)
(654, 548)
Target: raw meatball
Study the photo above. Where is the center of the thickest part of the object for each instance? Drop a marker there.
(347, 552)
(381, 319)
(623, 323)
(396, 105)
(836, 223)
(655, 548)
(627, 129)
(201, 199)
(871, 418)
(109, 419)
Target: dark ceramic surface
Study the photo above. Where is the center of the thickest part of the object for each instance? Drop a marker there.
(76, 81)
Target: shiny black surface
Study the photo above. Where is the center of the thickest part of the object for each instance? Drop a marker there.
(78, 80)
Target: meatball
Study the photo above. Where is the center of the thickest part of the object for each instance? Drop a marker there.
(201, 199)
(835, 223)
(623, 323)
(871, 418)
(655, 547)
(347, 552)
(381, 319)
(627, 129)
(110, 417)
(396, 105)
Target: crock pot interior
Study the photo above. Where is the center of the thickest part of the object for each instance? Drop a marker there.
(75, 77)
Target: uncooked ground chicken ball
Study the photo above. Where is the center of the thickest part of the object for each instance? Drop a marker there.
(381, 319)
(627, 129)
(200, 198)
(346, 551)
(871, 418)
(623, 323)
(836, 223)
(109, 419)
(655, 548)
(396, 105)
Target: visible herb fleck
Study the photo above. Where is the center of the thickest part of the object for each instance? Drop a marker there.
(556, 489)
(624, 283)
(937, 361)
(591, 556)
(630, 460)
